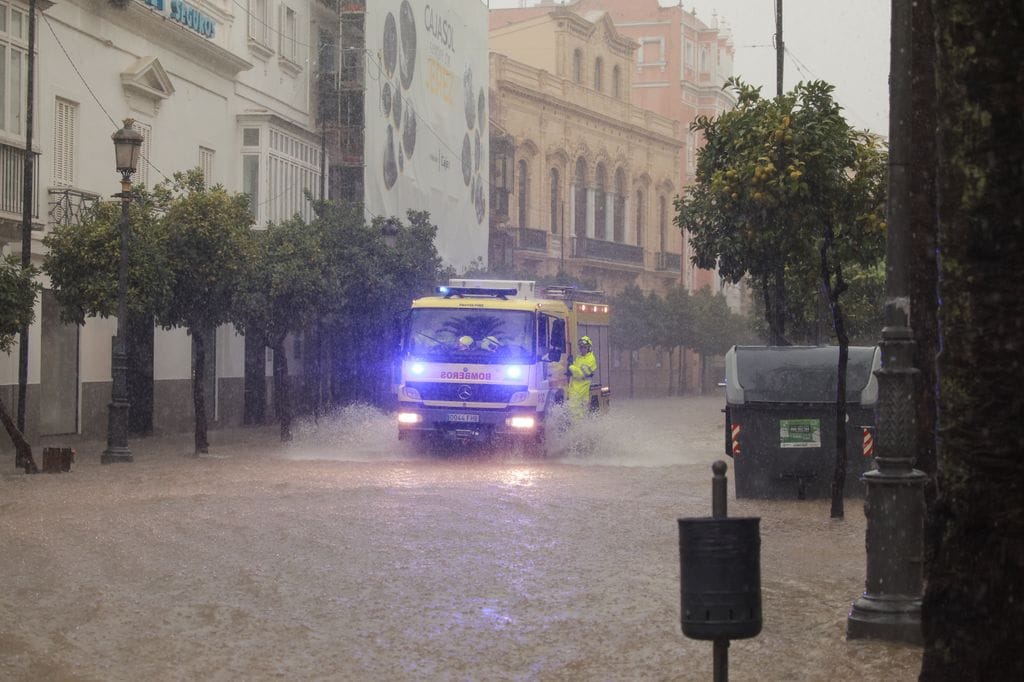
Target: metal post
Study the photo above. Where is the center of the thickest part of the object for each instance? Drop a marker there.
(890, 607)
(719, 490)
(117, 410)
(721, 665)
(719, 510)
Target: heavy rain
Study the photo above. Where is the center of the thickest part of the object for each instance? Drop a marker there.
(346, 556)
(511, 340)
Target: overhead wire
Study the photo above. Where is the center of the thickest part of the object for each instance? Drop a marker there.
(90, 90)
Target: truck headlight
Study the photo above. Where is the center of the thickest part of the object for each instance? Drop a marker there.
(519, 397)
(411, 393)
(409, 418)
(522, 422)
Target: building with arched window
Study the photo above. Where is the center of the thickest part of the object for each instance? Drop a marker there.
(601, 156)
(679, 68)
(614, 146)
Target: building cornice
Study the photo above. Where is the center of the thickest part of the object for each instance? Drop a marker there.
(572, 109)
(139, 19)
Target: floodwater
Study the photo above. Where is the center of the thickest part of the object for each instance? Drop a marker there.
(347, 556)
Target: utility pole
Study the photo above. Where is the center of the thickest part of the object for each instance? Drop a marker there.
(26, 208)
(780, 48)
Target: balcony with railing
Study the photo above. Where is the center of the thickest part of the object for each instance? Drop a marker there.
(12, 186)
(529, 239)
(669, 261)
(66, 205)
(617, 252)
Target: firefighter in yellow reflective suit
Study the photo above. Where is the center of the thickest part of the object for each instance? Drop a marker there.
(581, 371)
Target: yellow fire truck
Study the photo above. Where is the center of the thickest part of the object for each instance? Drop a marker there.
(486, 360)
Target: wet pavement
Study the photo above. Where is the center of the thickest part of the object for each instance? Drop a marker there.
(347, 556)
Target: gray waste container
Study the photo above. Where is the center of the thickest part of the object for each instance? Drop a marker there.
(780, 418)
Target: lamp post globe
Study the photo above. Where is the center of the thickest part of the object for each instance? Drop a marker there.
(127, 145)
(390, 229)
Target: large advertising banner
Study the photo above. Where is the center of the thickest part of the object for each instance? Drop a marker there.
(426, 118)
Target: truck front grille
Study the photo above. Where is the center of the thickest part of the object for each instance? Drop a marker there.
(465, 393)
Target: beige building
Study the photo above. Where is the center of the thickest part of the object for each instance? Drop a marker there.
(582, 179)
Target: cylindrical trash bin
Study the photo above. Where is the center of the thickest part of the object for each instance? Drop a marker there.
(720, 572)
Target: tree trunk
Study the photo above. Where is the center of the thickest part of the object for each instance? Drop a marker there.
(630, 374)
(22, 450)
(777, 318)
(681, 381)
(282, 390)
(703, 371)
(202, 445)
(832, 294)
(255, 392)
(972, 615)
(671, 369)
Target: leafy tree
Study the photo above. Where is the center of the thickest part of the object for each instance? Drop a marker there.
(372, 285)
(715, 327)
(82, 260)
(280, 294)
(740, 212)
(678, 328)
(630, 328)
(788, 190)
(210, 249)
(764, 165)
(851, 210)
(18, 291)
(808, 319)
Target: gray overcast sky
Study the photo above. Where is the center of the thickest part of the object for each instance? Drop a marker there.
(844, 42)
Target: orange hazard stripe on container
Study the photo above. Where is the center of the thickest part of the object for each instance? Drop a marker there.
(735, 439)
(869, 442)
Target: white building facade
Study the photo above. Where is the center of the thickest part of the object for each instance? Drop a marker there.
(225, 85)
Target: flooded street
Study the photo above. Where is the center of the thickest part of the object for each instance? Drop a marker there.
(346, 556)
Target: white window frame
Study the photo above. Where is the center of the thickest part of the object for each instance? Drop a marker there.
(285, 166)
(12, 81)
(642, 52)
(65, 142)
(288, 23)
(259, 25)
(205, 161)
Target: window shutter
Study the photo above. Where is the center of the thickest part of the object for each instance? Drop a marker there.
(142, 172)
(64, 142)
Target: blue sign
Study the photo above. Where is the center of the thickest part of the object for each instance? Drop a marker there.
(186, 15)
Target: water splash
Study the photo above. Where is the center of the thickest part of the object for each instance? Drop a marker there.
(642, 433)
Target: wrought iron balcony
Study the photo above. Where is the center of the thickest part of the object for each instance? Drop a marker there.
(669, 261)
(610, 251)
(67, 205)
(12, 187)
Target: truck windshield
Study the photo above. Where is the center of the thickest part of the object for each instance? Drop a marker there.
(466, 335)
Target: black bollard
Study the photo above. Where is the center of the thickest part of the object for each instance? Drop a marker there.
(720, 575)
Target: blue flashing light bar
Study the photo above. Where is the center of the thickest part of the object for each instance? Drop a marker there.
(461, 292)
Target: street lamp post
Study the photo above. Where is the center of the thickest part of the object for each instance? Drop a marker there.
(127, 144)
(390, 229)
(890, 607)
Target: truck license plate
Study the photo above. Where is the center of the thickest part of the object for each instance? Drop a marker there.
(464, 418)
